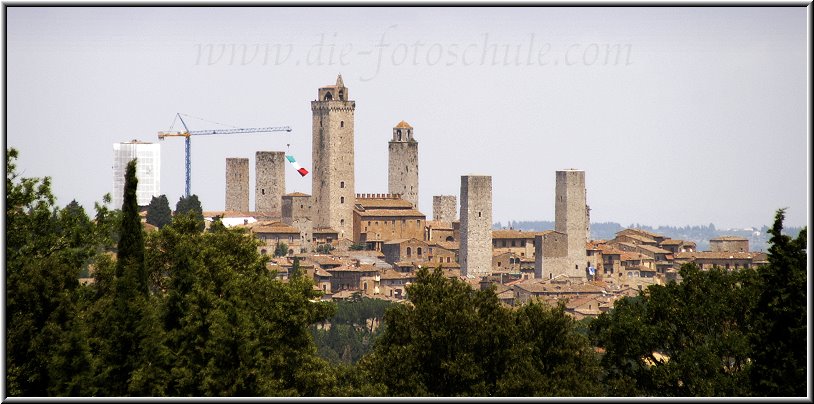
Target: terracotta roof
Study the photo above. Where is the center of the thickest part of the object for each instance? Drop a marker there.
(450, 245)
(439, 224)
(403, 124)
(654, 249)
(650, 234)
(296, 194)
(670, 241)
(412, 213)
(325, 260)
(631, 256)
(380, 203)
(402, 240)
(637, 237)
(516, 234)
(276, 227)
(393, 274)
(536, 286)
(729, 238)
(755, 256)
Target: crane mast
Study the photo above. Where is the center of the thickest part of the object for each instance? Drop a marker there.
(186, 133)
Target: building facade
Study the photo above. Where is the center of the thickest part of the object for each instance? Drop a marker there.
(333, 158)
(148, 170)
(571, 218)
(402, 174)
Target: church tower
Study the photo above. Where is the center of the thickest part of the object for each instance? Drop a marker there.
(332, 185)
(403, 168)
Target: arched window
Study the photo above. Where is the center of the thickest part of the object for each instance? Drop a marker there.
(418, 251)
(328, 96)
(398, 133)
(341, 184)
(341, 124)
(409, 252)
(342, 95)
(450, 239)
(341, 199)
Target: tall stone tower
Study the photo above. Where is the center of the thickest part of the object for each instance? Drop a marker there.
(332, 187)
(571, 218)
(476, 225)
(237, 184)
(403, 169)
(444, 208)
(269, 181)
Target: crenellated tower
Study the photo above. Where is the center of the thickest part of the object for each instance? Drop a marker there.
(332, 187)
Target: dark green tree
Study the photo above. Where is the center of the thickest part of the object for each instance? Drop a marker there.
(683, 339)
(281, 249)
(158, 211)
(779, 341)
(46, 248)
(192, 206)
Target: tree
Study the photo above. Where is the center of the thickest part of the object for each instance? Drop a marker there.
(681, 339)
(191, 205)
(46, 249)
(158, 211)
(454, 341)
(779, 341)
(281, 249)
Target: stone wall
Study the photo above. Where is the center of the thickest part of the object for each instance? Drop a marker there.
(403, 166)
(476, 225)
(444, 208)
(571, 217)
(237, 184)
(269, 178)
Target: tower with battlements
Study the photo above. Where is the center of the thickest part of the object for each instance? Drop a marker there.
(403, 164)
(332, 186)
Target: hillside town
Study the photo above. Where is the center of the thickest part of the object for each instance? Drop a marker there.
(373, 244)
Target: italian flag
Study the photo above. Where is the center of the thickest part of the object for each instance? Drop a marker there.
(299, 169)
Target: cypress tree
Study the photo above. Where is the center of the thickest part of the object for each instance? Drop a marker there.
(131, 241)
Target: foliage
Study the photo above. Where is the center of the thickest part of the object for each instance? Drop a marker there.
(779, 340)
(158, 211)
(351, 332)
(281, 249)
(324, 248)
(192, 206)
(454, 341)
(358, 247)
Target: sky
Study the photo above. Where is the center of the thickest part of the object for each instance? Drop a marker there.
(678, 116)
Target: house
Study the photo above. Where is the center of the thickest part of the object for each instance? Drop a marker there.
(675, 246)
(513, 241)
(400, 250)
(378, 218)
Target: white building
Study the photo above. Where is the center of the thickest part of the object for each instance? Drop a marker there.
(148, 170)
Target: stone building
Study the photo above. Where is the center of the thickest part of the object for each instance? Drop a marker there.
(402, 174)
(410, 250)
(444, 208)
(332, 184)
(437, 231)
(381, 217)
(269, 180)
(571, 218)
(514, 241)
(729, 244)
(296, 212)
(237, 184)
(550, 254)
(475, 254)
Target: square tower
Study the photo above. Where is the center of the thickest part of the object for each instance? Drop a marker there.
(476, 225)
(571, 218)
(148, 170)
(445, 208)
(332, 186)
(237, 184)
(403, 167)
(269, 180)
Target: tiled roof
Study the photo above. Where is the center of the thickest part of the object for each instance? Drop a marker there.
(670, 241)
(654, 249)
(515, 234)
(755, 256)
(412, 213)
(403, 124)
(729, 238)
(393, 274)
(637, 237)
(647, 233)
(296, 194)
(536, 286)
(450, 245)
(381, 203)
(630, 256)
(276, 227)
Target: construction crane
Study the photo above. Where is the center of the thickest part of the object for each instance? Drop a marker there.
(186, 133)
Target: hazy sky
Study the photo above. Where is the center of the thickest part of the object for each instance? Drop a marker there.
(677, 115)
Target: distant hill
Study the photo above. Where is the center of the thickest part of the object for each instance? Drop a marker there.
(758, 236)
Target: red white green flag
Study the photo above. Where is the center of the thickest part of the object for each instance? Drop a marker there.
(297, 167)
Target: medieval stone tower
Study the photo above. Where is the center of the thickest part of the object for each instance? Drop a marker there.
(445, 208)
(237, 184)
(269, 181)
(476, 225)
(332, 187)
(571, 218)
(403, 169)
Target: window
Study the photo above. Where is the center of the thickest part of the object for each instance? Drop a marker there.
(513, 245)
(262, 191)
(418, 251)
(498, 264)
(341, 184)
(522, 243)
(341, 199)
(409, 251)
(341, 124)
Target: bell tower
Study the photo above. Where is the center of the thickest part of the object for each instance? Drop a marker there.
(403, 164)
(332, 183)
